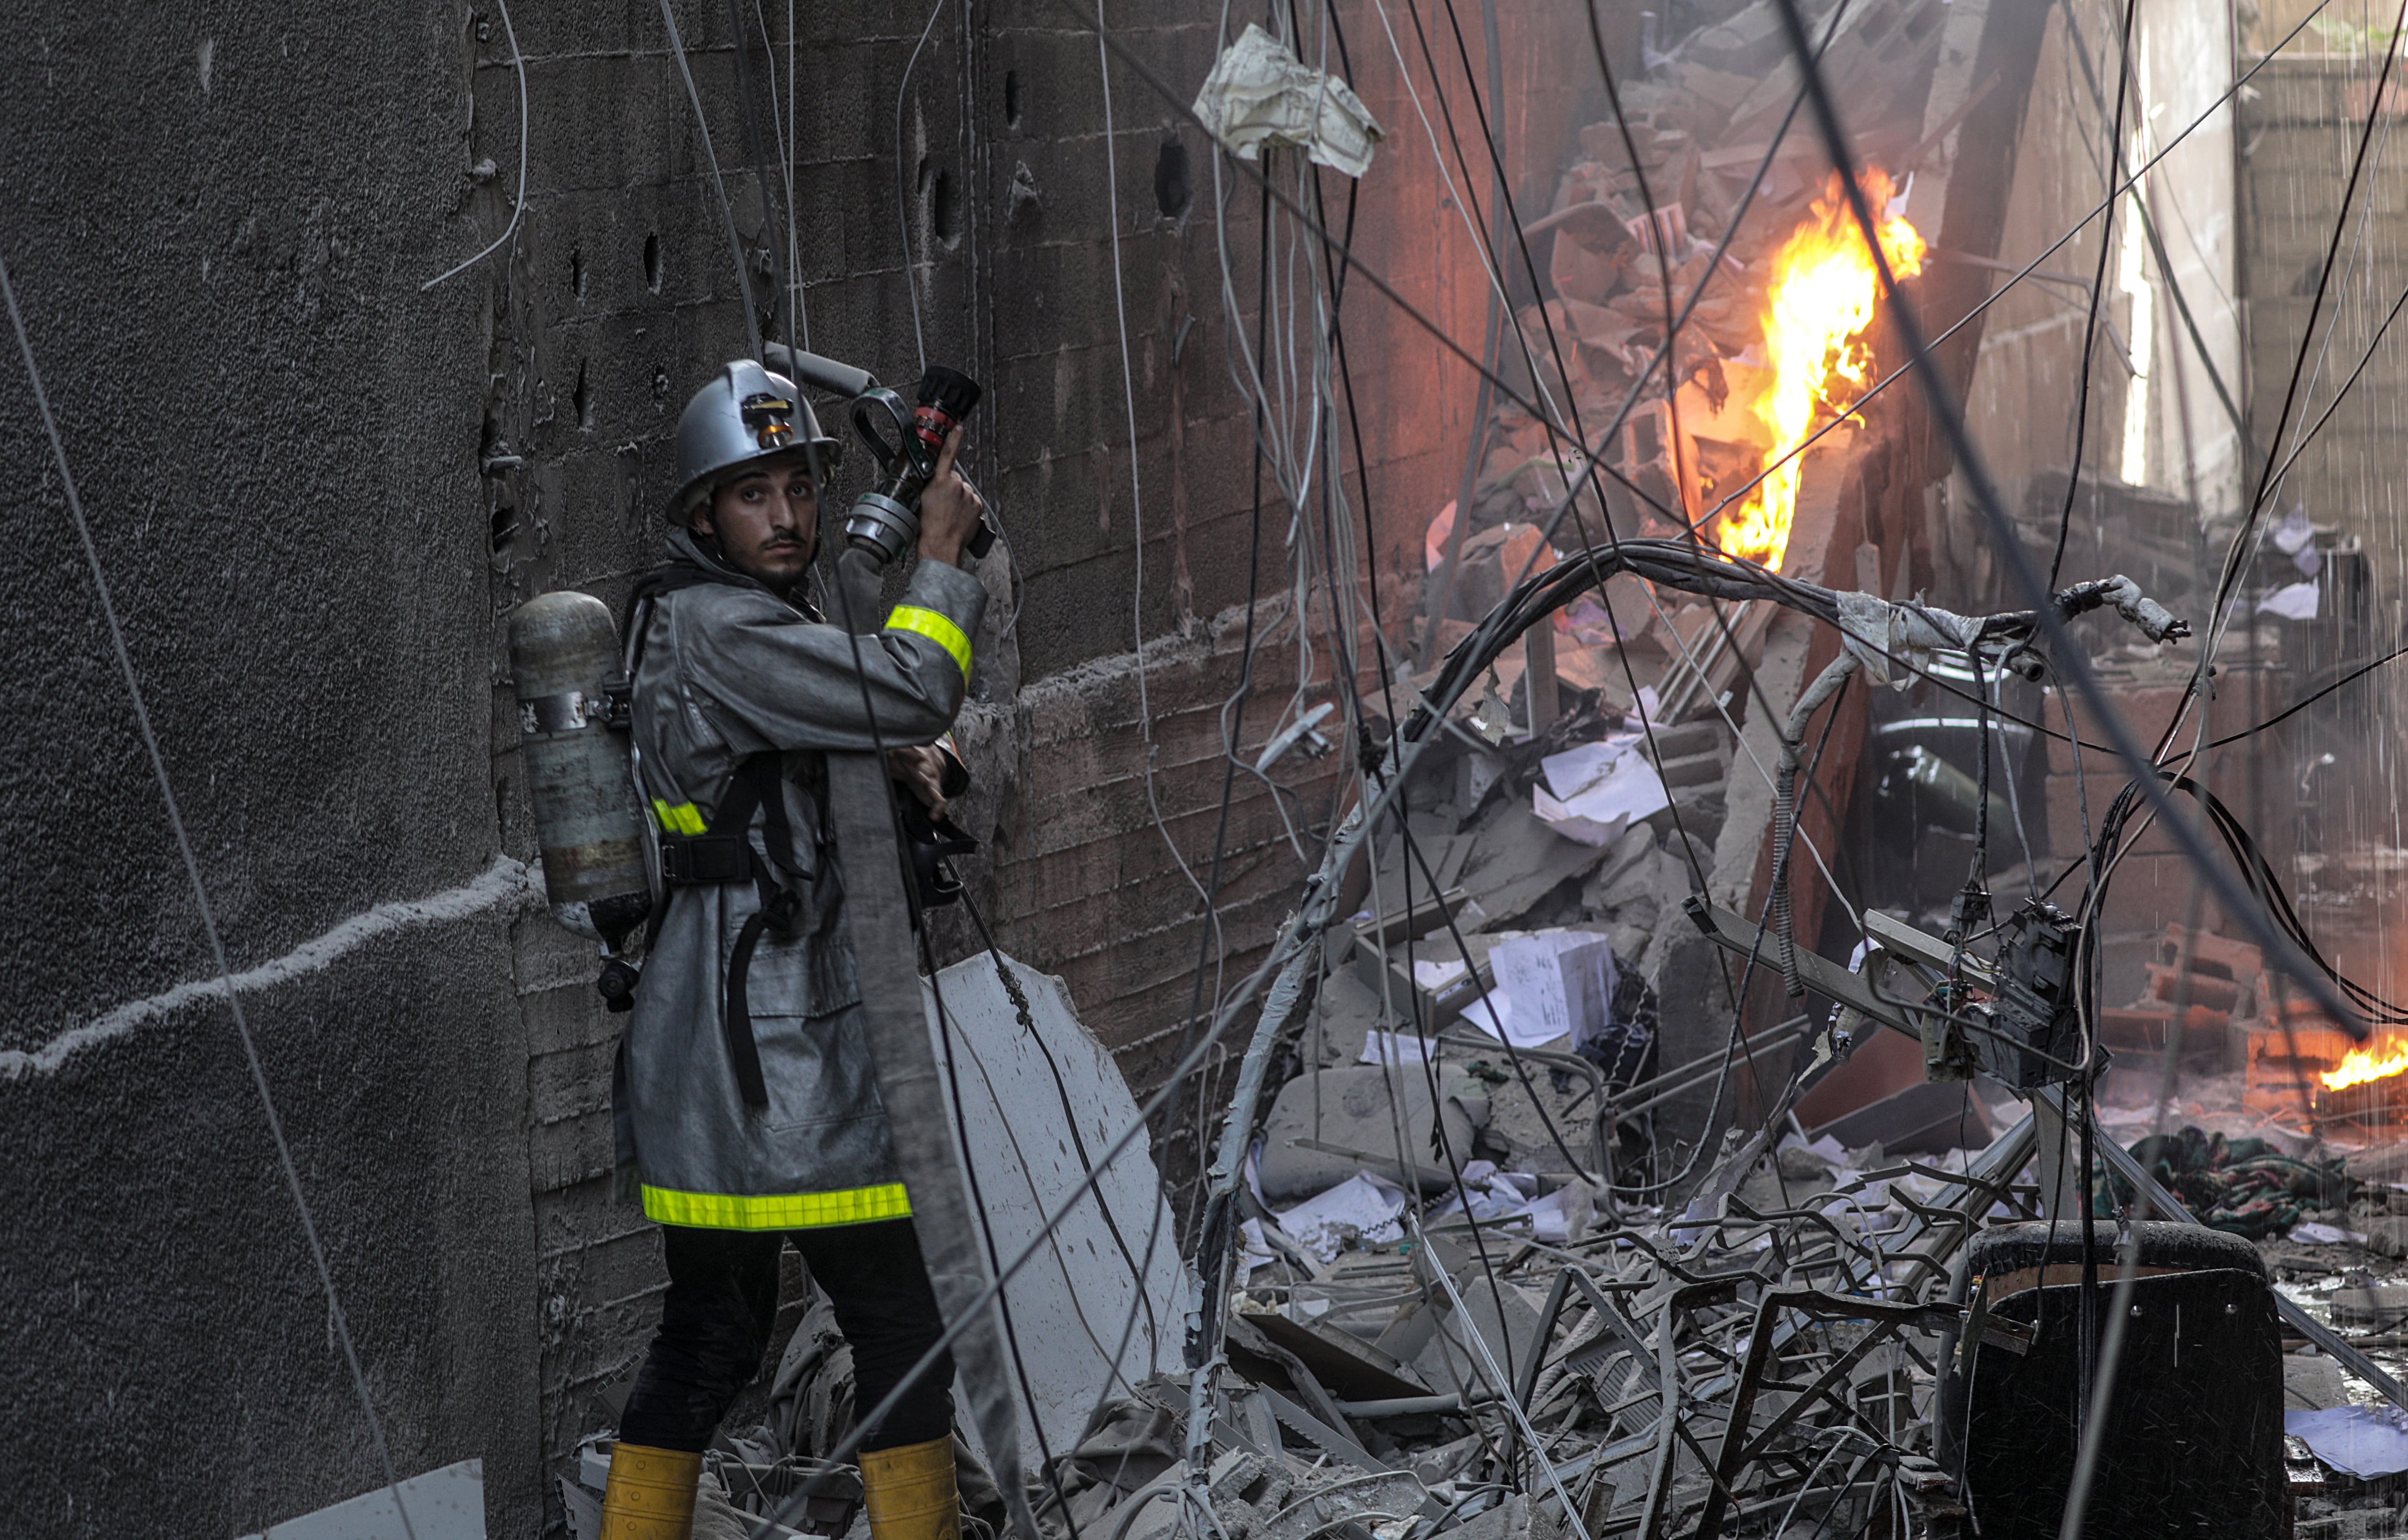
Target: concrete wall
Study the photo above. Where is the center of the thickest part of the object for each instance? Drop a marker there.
(318, 490)
(217, 224)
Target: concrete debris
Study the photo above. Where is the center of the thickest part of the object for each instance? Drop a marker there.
(448, 1503)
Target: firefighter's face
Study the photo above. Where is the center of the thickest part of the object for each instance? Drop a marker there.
(767, 523)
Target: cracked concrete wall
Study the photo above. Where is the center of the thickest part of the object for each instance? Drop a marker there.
(217, 224)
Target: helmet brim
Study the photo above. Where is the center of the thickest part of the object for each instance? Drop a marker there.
(700, 489)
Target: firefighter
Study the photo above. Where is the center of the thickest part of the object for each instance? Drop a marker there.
(746, 1112)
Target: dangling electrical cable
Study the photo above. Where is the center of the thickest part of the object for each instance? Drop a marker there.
(2098, 286)
(902, 193)
(2066, 654)
(518, 204)
(753, 338)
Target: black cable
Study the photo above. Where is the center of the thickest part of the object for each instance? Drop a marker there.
(986, 1223)
(2148, 224)
(759, 167)
(2098, 285)
(1062, 1092)
(1233, 711)
(2342, 393)
(2244, 539)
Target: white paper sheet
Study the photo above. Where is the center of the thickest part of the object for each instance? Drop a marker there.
(1597, 791)
(1361, 1206)
(1260, 92)
(1395, 1047)
(2365, 1441)
(1437, 976)
(1557, 983)
(1583, 765)
(2293, 602)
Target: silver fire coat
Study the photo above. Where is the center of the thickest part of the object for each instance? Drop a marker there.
(727, 670)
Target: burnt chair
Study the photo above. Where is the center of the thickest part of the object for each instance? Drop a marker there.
(2194, 1433)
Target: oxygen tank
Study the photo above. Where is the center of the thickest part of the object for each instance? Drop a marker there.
(572, 721)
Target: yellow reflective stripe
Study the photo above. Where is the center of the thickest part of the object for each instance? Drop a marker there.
(938, 628)
(684, 818)
(776, 1210)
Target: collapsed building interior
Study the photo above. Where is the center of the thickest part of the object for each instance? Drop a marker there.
(1662, 688)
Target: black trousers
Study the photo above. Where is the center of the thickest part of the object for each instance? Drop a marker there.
(722, 1299)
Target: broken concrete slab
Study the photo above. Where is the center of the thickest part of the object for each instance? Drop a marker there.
(445, 1504)
(2312, 1382)
(1042, 1100)
(1329, 1124)
(1517, 861)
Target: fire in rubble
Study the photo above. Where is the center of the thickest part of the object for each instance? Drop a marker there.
(1818, 309)
(2385, 1057)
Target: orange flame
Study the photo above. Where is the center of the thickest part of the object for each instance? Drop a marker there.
(2359, 1065)
(1824, 290)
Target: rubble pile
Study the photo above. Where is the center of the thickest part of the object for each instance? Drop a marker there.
(1623, 248)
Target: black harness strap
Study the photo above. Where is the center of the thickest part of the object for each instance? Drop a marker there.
(715, 859)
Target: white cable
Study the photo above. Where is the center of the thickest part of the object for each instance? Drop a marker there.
(902, 202)
(727, 213)
(1137, 501)
(1504, 1382)
(786, 163)
(518, 204)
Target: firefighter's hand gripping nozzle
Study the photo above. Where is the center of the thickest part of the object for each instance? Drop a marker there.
(884, 521)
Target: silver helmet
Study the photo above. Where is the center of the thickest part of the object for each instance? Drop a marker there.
(745, 415)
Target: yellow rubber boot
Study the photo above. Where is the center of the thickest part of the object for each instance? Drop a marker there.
(911, 1493)
(650, 1495)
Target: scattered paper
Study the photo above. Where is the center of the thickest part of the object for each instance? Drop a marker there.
(2291, 536)
(1362, 1207)
(1437, 977)
(2293, 602)
(1596, 791)
(1396, 1047)
(1255, 1251)
(2365, 1441)
(1485, 1193)
(1646, 711)
(1259, 93)
(1559, 1216)
(1550, 984)
(2311, 1232)
(1583, 765)
(1826, 1147)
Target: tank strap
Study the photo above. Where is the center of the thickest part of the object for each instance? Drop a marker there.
(712, 859)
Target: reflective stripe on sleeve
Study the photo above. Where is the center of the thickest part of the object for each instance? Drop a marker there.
(684, 818)
(776, 1210)
(938, 628)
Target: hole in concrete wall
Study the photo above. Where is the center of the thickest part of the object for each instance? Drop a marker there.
(1011, 98)
(1173, 189)
(583, 399)
(576, 273)
(944, 219)
(652, 263)
(505, 524)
